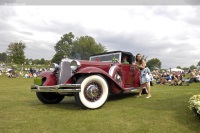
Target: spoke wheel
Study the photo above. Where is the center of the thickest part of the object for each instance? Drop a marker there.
(94, 92)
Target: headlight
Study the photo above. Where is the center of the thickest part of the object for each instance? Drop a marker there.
(54, 67)
(75, 65)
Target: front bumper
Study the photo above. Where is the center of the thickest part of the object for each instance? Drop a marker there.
(57, 88)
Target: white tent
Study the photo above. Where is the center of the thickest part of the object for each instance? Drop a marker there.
(176, 70)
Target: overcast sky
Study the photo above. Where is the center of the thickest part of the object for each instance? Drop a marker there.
(169, 33)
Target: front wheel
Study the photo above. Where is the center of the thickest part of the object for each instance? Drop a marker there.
(94, 92)
(49, 97)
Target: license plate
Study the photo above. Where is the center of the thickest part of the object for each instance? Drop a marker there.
(38, 81)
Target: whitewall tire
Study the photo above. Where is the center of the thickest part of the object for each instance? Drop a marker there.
(94, 92)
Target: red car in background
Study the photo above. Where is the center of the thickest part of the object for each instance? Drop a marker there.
(89, 81)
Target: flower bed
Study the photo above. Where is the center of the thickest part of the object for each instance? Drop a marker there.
(195, 104)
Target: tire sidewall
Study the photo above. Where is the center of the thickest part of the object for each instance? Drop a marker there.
(42, 96)
(100, 80)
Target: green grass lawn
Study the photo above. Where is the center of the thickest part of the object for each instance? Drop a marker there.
(167, 111)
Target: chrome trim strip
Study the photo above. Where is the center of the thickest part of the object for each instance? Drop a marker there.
(57, 88)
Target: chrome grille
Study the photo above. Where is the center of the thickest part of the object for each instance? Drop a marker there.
(65, 71)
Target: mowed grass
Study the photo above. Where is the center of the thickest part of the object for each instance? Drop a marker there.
(167, 111)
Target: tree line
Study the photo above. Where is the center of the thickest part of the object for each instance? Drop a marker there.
(15, 54)
(68, 46)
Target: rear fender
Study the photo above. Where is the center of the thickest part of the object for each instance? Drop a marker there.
(48, 78)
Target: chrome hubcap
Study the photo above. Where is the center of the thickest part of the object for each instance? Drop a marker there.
(93, 92)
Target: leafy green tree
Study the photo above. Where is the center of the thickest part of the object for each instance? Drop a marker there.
(179, 67)
(64, 45)
(85, 46)
(57, 57)
(16, 53)
(79, 48)
(36, 61)
(3, 57)
(154, 64)
(185, 68)
(42, 61)
(47, 62)
(192, 67)
(198, 64)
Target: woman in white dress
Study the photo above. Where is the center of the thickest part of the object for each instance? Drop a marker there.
(145, 75)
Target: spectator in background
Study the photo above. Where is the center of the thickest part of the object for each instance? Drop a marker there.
(30, 75)
(31, 71)
(165, 79)
(168, 78)
(192, 77)
(26, 75)
(198, 77)
(34, 75)
(21, 73)
(189, 71)
(43, 70)
(181, 79)
(174, 80)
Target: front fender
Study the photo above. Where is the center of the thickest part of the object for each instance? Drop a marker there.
(48, 78)
(114, 86)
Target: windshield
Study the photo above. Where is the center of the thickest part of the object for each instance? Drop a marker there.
(107, 57)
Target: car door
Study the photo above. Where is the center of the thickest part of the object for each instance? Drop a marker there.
(130, 76)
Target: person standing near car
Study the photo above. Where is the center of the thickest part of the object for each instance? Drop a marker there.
(145, 76)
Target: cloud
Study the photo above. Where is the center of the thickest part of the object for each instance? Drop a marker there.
(192, 2)
(169, 33)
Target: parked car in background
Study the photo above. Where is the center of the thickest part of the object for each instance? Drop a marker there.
(89, 81)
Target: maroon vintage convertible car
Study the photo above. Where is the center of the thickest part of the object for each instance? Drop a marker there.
(90, 81)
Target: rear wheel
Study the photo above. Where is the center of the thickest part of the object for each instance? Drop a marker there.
(49, 97)
(94, 92)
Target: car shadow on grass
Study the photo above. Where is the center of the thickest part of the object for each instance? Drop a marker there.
(69, 102)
